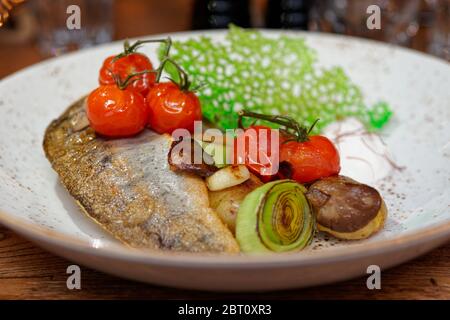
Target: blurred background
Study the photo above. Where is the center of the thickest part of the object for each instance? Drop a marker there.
(33, 30)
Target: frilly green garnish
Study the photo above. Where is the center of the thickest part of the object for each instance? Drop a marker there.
(271, 76)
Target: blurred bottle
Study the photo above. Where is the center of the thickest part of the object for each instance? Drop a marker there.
(214, 14)
(288, 14)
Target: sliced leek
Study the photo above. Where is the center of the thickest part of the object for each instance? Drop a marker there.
(275, 217)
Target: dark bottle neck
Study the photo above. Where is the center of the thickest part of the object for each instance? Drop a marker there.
(288, 14)
(214, 14)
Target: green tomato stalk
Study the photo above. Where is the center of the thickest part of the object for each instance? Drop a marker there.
(129, 49)
(290, 126)
(184, 83)
(132, 48)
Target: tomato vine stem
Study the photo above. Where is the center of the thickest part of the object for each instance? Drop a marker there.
(129, 49)
(291, 127)
(122, 84)
(184, 83)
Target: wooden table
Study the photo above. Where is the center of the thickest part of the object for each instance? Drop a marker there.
(28, 272)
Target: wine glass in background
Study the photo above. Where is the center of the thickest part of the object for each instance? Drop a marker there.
(55, 38)
(437, 23)
(420, 24)
(399, 18)
(216, 14)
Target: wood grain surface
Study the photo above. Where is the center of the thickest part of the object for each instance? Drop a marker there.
(28, 272)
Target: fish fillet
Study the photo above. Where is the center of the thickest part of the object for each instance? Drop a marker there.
(127, 187)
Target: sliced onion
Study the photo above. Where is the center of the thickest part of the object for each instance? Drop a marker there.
(227, 177)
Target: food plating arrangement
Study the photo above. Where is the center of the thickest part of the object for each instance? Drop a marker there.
(258, 177)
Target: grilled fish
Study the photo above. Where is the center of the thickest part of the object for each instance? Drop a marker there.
(126, 185)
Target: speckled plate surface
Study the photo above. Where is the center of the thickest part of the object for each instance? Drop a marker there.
(411, 168)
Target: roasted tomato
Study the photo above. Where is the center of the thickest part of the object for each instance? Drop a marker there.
(171, 108)
(125, 66)
(302, 157)
(258, 151)
(115, 112)
(313, 159)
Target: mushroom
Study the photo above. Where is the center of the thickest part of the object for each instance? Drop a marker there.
(347, 209)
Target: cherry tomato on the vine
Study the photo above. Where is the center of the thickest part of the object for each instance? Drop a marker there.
(127, 65)
(258, 149)
(172, 108)
(311, 160)
(115, 112)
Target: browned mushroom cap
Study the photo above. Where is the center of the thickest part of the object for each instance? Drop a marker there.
(186, 155)
(342, 204)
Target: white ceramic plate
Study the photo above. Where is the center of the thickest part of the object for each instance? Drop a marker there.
(33, 203)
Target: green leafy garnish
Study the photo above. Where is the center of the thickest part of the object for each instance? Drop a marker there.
(271, 76)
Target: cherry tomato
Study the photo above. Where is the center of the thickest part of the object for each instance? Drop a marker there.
(311, 160)
(257, 151)
(125, 66)
(114, 112)
(172, 108)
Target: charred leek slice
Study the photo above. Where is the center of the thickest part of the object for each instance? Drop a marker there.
(275, 217)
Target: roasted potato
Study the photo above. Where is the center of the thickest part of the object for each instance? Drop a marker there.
(227, 177)
(347, 209)
(226, 202)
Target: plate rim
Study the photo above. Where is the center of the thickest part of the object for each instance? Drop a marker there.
(192, 260)
(300, 33)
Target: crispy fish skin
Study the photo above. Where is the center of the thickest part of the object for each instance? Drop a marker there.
(127, 187)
